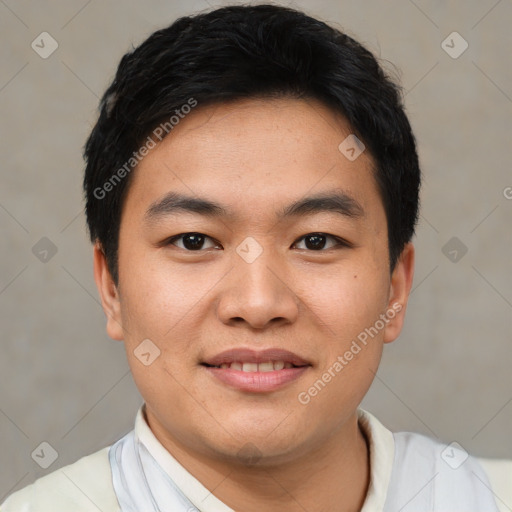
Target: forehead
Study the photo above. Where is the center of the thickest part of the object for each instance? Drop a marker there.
(254, 153)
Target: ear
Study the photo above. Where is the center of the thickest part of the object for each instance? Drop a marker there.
(400, 288)
(108, 293)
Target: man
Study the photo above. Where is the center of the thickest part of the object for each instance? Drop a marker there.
(252, 192)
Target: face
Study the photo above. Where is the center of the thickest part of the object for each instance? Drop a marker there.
(253, 255)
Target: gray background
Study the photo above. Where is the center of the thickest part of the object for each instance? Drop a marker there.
(65, 382)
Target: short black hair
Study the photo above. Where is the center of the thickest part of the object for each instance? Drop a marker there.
(240, 52)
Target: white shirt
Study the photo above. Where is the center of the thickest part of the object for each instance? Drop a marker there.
(87, 485)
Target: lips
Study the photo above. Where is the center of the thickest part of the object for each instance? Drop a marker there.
(249, 360)
(251, 371)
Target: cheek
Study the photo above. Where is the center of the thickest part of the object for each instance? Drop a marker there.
(350, 354)
(156, 298)
(350, 304)
(348, 299)
(165, 304)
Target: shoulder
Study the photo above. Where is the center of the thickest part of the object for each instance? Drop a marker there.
(408, 452)
(499, 473)
(84, 486)
(453, 457)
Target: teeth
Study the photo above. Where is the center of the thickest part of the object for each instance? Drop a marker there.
(250, 367)
(267, 366)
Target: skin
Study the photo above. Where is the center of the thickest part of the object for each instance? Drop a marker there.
(255, 157)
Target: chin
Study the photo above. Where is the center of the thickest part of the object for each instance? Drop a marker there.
(257, 453)
(269, 443)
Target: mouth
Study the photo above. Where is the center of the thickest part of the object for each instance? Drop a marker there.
(267, 366)
(249, 360)
(256, 371)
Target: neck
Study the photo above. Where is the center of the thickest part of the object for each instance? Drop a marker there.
(333, 476)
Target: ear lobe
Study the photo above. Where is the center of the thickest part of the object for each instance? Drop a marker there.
(108, 293)
(400, 288)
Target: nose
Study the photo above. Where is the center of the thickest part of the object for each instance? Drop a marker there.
(258, 294)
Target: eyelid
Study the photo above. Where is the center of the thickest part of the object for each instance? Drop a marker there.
(340, 242)
(170, 240)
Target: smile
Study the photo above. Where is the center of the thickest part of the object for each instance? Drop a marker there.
(268, 366)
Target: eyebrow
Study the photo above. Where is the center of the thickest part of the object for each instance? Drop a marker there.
(331, 202)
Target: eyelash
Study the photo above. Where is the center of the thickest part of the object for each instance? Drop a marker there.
(340, 242)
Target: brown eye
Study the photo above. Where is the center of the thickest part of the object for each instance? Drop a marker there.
(191, 241)
(318, 241)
